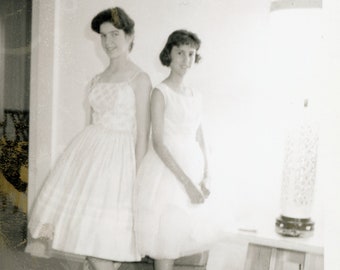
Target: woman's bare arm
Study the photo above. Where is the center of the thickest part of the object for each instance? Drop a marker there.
(157, 116)
(142, 87)
(205, 181)
(201, 141)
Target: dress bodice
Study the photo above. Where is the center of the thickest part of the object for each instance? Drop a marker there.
(113, 106)
(182, 114)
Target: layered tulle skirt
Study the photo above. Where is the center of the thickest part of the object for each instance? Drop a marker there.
(167, 224)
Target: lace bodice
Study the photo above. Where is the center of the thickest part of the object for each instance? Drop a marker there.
(113, 106)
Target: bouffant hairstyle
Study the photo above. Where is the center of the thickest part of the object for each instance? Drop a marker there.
(118, 17)
(177, 38)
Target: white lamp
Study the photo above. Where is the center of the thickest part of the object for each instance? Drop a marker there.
(295, 67)
(299, 172)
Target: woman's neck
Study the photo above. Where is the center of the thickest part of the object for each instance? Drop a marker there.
(118, 64)
(175, 81)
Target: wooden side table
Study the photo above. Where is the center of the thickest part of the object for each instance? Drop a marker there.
(270, 258)
(268, 250)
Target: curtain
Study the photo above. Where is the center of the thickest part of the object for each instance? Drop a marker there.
(15, 37)
(2, 68)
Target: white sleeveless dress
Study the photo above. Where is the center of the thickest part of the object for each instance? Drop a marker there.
(85, 205)
(167, 224)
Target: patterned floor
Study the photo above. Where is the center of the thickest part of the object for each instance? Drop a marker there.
(13, 242)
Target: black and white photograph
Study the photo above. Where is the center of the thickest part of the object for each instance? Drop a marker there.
(169, 135)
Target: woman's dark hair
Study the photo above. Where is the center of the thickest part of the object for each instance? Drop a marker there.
(117, 16)
(177, 38)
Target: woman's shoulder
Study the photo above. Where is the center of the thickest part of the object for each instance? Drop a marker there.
(141, 76)
(92, 82)
(138, 74)
(161, 91)
(140, 81)
(160, 87)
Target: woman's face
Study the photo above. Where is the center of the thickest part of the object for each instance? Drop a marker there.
(114, 41)
(182, 58)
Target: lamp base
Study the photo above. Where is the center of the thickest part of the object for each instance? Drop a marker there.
(294, 227)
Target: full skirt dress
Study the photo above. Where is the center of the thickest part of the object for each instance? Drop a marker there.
(85, 207)
(168, 225)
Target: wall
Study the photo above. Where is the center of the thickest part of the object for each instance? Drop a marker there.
(43, 86)
(331, 161)
(244, 111)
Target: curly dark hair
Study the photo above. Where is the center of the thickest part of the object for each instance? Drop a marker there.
(117, 16)
(177, 38)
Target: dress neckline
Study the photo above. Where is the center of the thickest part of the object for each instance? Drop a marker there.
(120, 82)
(179, 94)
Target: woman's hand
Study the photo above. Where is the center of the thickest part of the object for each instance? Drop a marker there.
(194, 194)
(205, 190)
